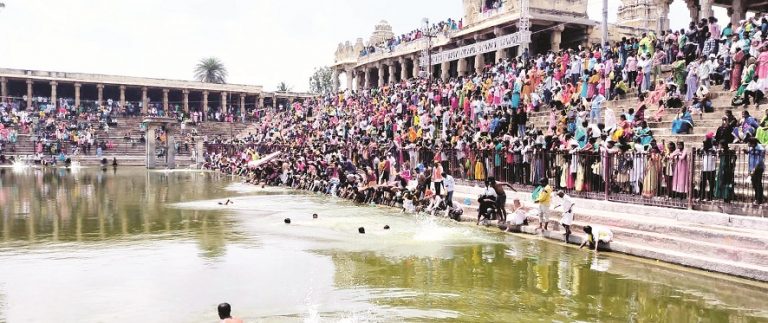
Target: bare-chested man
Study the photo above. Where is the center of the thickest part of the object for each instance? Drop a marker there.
(501, 196)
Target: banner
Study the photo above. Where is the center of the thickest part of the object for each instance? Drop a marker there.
(481, 47)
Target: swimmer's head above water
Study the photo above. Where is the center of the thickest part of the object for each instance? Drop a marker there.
(225, 311)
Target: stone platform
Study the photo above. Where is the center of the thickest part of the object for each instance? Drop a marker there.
(716, 242)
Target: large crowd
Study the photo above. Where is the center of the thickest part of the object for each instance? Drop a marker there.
(444, 27)
(61, 127)
(51, 125)
(415, 133)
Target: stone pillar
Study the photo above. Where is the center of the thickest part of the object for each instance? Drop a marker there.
(392, 70)
(557, 36)
(415, 72)
(445, 70)
(738, 12)
(171, 152)
(223, 102)
(663, 12)
(367, 82)
(242, 104)
(29, 93)
(205, 105)
(53, 93)
(462, 67)
(122, 96)
(144, 101)
(185, 100)
(77, 94)
(479, 63)
(274, 101)
(403, 69)
(500, 53)
(350, 79)
(165, 101)
(3, 87)
(200, 146)
(706, 9)
(335, 80)
(100, 89)
(261, 101)
(151, 145)
(693, 10)
(380, 68)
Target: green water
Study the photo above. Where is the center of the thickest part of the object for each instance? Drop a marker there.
(138, 246)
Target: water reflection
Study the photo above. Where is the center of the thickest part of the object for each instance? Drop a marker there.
(120, 236)
(42, 206)
(486, 285)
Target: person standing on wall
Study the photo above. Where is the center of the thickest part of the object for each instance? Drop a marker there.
(501, 199)
(449, 184)
(756, 154)
(542, 196)
(567, 217)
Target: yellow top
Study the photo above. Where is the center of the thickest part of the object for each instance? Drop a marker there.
(545, 196)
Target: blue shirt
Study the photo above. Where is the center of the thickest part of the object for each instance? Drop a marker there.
(597, 101)
(756, 158)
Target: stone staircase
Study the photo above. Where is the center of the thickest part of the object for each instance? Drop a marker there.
(133, 150)
(662, 131)
(718, 242)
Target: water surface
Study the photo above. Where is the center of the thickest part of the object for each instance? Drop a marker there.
(137, 246)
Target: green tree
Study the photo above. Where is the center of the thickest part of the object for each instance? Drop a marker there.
(321, 81)
(283, 87)
(211, 70)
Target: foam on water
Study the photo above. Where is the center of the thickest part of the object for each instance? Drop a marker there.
(338, 223)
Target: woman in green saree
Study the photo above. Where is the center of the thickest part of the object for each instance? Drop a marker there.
(725, 173)
(762, 130)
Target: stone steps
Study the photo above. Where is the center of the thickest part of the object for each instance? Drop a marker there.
(745, 237)
(717, 242)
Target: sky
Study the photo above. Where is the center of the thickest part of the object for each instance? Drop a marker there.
(261, 42)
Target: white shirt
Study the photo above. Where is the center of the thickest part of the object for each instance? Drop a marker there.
(708, 161)
(489, 191)
(602, 234)
(449, 183)
(567, 205)
(518, 217)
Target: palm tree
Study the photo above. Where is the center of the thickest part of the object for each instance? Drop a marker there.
(283, 87)
(211, 70)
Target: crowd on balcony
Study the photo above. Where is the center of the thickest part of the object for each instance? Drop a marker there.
(444, 27)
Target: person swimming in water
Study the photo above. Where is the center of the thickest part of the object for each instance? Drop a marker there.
(225, 314)
(228, 202)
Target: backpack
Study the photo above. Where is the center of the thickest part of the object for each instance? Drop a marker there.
(536, 192)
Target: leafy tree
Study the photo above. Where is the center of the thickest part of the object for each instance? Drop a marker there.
(283, 87)
(211, 70)
(321, 81)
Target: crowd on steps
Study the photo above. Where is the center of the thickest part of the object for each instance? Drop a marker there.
(477, 126)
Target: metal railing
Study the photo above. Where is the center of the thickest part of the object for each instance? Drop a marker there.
(689, 179)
